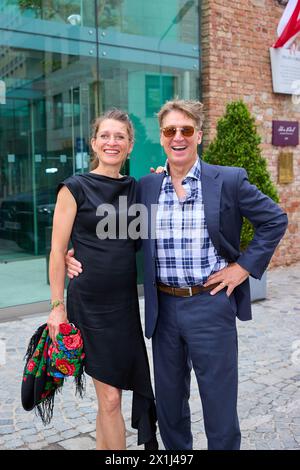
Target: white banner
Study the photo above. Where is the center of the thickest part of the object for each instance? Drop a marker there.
(285, 71)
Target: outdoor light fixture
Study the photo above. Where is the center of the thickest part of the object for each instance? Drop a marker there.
(74, 20)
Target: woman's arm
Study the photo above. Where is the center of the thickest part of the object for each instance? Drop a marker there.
(63, 219)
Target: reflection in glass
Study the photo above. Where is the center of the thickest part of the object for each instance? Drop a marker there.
(47, 113)
(63, 62)
(154, 18)
(75, 12)
(58, 112)
(159, 89)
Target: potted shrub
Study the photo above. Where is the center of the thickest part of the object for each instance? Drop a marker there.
(237, 143)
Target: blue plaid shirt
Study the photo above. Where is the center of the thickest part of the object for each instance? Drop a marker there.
(185, 255)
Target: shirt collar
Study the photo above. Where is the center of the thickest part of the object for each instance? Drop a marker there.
(194, 173)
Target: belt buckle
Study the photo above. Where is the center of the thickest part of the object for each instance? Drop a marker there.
(190, 291)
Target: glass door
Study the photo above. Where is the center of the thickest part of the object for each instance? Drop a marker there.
(16, 178)
(44, 138)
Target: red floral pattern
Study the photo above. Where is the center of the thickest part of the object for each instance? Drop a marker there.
(64, 367)
(73, 341)
(65, 328)
(67, 355)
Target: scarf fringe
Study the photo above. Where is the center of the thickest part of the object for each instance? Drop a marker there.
(80, 384)
(34, 342)
(45, 408)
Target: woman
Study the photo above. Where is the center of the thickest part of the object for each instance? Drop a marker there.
(103, 300)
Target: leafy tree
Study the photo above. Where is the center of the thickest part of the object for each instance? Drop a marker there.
(109, 13)
(108, 10)
(237, 143)
(47, 9)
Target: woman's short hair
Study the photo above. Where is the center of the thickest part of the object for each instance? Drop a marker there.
(117, 115)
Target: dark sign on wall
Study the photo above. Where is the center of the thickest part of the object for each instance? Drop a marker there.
(285, 133)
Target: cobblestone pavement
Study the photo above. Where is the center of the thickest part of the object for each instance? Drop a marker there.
(269, 392)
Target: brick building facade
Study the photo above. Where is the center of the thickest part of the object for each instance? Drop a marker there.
(236, 37)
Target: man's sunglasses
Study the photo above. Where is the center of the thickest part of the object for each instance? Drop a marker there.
(186, 131)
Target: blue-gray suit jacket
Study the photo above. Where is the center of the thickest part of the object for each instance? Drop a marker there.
(228, 197)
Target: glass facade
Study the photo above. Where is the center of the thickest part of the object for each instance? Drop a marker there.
(61, 64)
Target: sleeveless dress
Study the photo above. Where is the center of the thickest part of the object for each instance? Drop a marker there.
(103, 302)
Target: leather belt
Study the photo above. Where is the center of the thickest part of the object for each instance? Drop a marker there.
(185, 291)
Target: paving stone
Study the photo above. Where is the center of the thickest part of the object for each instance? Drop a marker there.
(11, 437)
(247, 445)
(30, 439)
(290, 444)
(24, 425)
(276, 444)
(131, 441)
(6, 422)
(7, 430)
(37, 445)
(79, 421)
(28, 432)
(260, 445)
(70, 433)
(86, 411)
(87, 428)
(282, 427)
(265, 428)
(53, 447)
(50, 432)
(79, 443)
(250, 387)
(92, 418)
(267, 379)
(13, 444)
(285, 373)
(62, 426)
(71, 415)
(255, 421)
(266, 400)
(53, 439)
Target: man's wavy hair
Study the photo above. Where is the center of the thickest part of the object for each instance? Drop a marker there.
(192, 108)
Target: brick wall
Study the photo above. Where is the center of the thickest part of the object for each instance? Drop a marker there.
(236, 37)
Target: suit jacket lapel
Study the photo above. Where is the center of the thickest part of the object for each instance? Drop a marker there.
(211, 193)
(152, 207)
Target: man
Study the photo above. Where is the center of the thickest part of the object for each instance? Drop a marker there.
(196, 279)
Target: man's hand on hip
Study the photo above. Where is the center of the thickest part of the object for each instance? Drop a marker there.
(230, 277)
(74, 267)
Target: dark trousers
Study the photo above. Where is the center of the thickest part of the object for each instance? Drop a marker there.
(197, 332)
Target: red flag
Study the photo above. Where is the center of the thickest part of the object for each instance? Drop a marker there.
(292, 26)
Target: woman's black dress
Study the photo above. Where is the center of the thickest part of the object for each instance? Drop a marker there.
(102, 301)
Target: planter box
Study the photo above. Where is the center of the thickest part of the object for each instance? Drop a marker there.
(258, 288)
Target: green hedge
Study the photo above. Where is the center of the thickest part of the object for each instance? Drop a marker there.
(237, 143)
